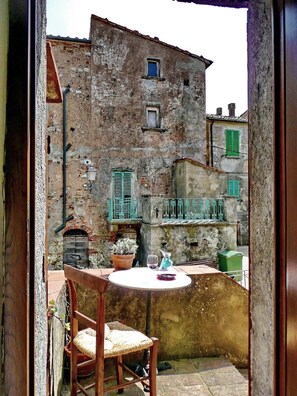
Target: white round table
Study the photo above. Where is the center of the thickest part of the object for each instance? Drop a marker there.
(142, 278)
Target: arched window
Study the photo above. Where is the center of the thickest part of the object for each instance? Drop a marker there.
(76, 248)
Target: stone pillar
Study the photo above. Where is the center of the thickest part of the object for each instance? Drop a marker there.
(152, 209)
(230, 209)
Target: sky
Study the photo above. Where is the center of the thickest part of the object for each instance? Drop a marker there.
(216, 33)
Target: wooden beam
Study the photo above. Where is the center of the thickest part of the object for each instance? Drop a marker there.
(19, 205)
(220, 3)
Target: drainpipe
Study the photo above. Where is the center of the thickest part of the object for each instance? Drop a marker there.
(66, 147)
(211, 144)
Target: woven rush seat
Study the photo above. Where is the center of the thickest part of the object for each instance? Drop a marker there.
(119, 339)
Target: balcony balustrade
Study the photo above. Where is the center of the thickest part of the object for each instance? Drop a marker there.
(172, 209)
(193, 209)
(124, 209)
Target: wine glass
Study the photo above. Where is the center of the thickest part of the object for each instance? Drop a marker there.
(152, 261)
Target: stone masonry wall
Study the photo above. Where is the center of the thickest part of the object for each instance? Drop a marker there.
(120, 94)
(105, 118)
(73, 60)
(189, 242)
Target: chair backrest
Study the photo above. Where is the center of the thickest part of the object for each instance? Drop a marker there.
(86, 278)
(97, 283)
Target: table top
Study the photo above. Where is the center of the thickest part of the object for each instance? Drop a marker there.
(142, 278)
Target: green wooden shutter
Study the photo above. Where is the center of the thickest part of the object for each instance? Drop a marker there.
(117, 185)
(232, 143)
(122, 192)
(234, 188)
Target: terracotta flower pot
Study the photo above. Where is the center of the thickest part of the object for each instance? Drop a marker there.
(86, 370)
(122, 261)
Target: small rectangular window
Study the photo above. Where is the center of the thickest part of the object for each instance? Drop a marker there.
(153, 69)
(153, 120)
(232, 143)
(234, 188)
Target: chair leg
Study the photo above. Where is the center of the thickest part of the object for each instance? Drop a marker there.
(99, 377)
(153, 367)
(119, 372)
(73, 370)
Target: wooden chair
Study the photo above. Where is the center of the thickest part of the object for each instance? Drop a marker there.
(100, 341)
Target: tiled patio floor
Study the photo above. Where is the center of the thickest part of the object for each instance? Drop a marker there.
(200, 377)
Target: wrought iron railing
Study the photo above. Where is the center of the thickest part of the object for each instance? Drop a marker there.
(124, 209)
(193, 208)
(172, 209)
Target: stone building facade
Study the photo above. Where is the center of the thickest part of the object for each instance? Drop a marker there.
(227, 149)
(132, 105)
(193, 179)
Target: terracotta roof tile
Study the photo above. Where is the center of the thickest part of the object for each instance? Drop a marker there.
(217, 117)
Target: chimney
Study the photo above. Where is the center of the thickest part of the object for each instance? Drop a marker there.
(219, 111)
(231, 108)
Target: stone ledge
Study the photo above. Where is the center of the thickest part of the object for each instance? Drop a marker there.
(56, 279)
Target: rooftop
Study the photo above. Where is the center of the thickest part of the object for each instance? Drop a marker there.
(217, 117)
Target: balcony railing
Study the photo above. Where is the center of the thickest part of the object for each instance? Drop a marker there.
(172, 209)
(124, 209)
(193, 208)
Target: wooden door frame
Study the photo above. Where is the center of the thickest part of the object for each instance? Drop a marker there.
(285, 50)
(20, 201)
(280, 207)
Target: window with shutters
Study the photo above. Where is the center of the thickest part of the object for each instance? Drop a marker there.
(232, 143)
(234, 188)
(122, 195)
(76, 248)
(153, 68)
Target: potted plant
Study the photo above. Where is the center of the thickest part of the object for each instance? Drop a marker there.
(123, 253)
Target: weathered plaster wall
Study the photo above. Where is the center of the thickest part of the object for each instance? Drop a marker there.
(189, 242)
(238, 165)
(260, 63)
(193, 180)
(3, 81)
(208, 318)
(235, 168)
(120, 94)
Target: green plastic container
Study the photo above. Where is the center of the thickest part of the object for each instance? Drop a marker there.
(230, 261)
